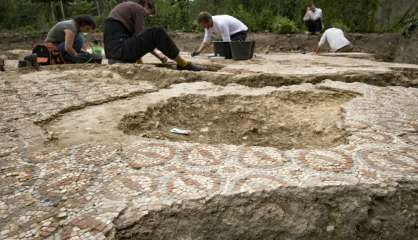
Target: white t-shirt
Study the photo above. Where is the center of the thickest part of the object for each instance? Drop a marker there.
(310, 15)
(335, 38)
(225, 26)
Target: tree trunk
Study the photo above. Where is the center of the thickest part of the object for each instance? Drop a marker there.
(98, 8)
(62, 9)
(52, 6)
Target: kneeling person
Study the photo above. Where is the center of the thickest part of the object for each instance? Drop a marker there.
(336, 41)
(126, 40)
(313, 19)
(66, 36)
(230, 29)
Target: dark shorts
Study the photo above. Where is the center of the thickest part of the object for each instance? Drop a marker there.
(348, 48)
(239, 36)
(314, 26)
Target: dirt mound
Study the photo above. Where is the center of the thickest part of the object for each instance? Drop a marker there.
(282, 119)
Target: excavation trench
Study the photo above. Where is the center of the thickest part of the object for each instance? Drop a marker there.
(305, 117)
(283, 119)
(218, 111)
(286, 120)
(222, 75)
(303, 195)
(163, 76)
(340, 212)
(318, 194)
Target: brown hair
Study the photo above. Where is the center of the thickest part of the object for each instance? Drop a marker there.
(146, 3)
(84, 20)
(204, 17)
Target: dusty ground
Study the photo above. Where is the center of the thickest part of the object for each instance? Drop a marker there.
(338, 158)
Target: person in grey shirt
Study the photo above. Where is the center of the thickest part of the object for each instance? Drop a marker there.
(66, 36)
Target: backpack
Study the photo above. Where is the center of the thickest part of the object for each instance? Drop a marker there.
(48, 54)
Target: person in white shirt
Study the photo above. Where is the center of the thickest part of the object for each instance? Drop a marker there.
(313, 19)
(228, 27)
(336, 41)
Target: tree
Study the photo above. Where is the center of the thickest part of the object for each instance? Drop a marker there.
(78, 7)
(52, 7)
(98, 8)
(62, 9)
(359, 15)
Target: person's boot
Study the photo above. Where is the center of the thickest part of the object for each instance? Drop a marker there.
(31, 60)
(189, 67)
(116, 61)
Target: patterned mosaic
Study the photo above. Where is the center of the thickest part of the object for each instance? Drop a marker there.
(77, 192)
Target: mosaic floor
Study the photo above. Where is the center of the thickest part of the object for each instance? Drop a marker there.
(116, 187)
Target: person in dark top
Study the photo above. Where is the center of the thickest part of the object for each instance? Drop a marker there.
(126, 40)
(66, 36)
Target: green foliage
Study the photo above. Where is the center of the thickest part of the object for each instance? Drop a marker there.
(407, 24)
(34, 15)
(19, 14)
(357, 15)
(99, 22)
(339, 24)
(28, 29)
(78, 7)
(284, 25)
(246, 17)
(259, 15)
(264, 20)
(173, 15)
(410, 27)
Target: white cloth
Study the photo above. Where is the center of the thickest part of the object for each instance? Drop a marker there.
(335, 38)
(310, 15)
(225, 26)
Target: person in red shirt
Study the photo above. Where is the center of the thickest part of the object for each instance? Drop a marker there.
(126, 40)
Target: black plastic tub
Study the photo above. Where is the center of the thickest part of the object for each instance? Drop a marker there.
(222, 49)
(242, 50)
